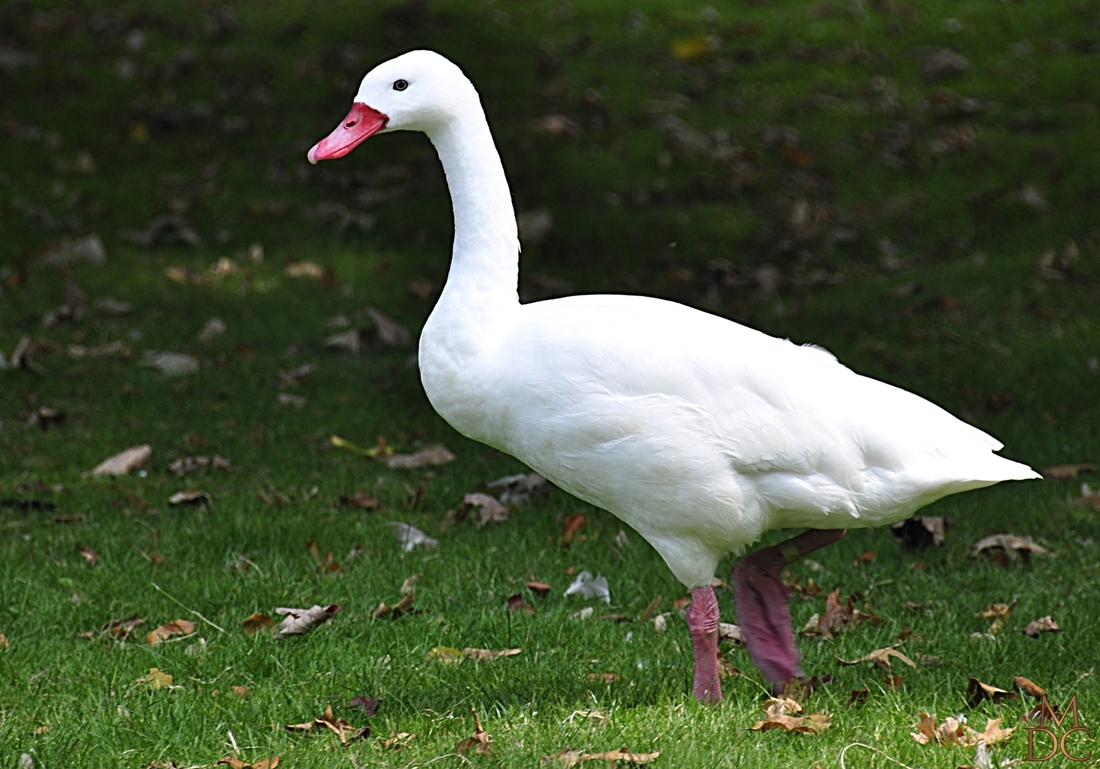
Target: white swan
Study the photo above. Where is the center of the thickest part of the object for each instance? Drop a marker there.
(699, 433)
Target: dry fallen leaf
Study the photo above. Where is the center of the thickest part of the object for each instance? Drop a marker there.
(517, 489)
(921, 532)
(782, 713)
(489, 509)
(976, 691)
(952, 732)
(515, 603)
(487, 655)
(541, 589)
(389, 332)
(300, 621)
(478, 741)
(4, 642)
(188, 464)
(235, 763)
(361, 500)
(369, 705)
(124, 461)
(310, 270)
(118, 629)
(1067, 472)
(170, 363)
(166, 631)
(429, 456)
(1027, 686)
(1007, 546)
(569, 758)
(999, 613)
(89, 555)
(339, 726)
(573, 524)
(254, 623)
(189, 497)
(155, 679)
(412, 537)
(399, 609)
(1042, 625)
(881, 658)
(351, 340)
(397, 740)
(445, 654)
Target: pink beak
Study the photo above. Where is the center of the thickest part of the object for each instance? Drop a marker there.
(361, 122)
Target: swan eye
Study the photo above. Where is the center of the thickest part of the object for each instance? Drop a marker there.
(400, 85)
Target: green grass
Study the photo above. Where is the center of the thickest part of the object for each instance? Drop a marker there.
(990, 338)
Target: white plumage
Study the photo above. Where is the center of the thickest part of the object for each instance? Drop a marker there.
(699, 433)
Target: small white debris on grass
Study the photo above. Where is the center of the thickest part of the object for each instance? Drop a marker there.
(412, 537)
(587, 586)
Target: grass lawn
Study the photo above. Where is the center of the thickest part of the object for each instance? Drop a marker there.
(821, 171)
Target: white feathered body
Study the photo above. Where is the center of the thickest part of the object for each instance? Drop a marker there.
(699, 433)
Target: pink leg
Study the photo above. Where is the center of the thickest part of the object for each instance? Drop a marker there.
(762, 604)
(702, 619)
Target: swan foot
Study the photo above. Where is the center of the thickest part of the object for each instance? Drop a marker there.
(702, 619)
(762, 605)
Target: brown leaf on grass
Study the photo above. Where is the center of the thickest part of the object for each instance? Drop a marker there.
(1066, 472)
(369, 705)
(488, 655)
(351, 340)
(726, 669)
(361, 500)
(301, 621)
(783, 713)
(541, 589)
(397, 740)
(294, 376)
(190, 497)
(999, 613)
(952, 732)
(880, 658)
(976, 691)
(838, 616)
(651, 609)
(124, 461)
(569, 758)
(921, 532)
(389, 332)
(166, 631)
(4, 642)
(489, 509)
(1088, 498)
(858, 696)
(241, 691)
(808, 590)
(325, 563)
(118, 629)
(1042, 625)
(407, 584)
(189, 464)
(155, 679)
(893, 683)
(1005, 547)
(399, 609)
(310, 270)
(235, 763)
(607, 678)
(478, 741)
(515, 603)
(338, 726)
(573, 524)
(429, 456)
(89, 555)
(1027, 686)
(254, 623)
(445, 654)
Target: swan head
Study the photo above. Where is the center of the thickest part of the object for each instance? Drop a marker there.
(417, 91)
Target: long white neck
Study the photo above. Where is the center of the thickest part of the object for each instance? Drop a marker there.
(485, 259)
